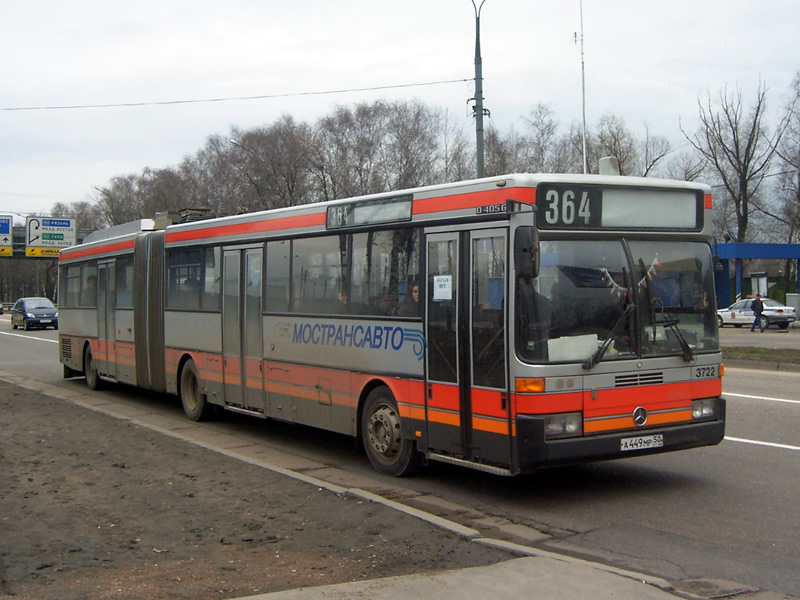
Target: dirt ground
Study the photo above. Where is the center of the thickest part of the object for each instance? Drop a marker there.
(94, 507)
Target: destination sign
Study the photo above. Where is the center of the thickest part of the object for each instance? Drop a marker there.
(369, 212)
(567, 206)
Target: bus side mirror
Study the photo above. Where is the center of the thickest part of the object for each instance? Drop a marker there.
(526, 253)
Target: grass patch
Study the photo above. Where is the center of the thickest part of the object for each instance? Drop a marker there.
(783, 355)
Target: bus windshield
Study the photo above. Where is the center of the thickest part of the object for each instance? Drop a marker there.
(614, 299)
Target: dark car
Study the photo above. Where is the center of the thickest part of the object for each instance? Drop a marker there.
(34, 312)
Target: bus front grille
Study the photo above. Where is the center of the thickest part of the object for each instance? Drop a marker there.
(637, 379)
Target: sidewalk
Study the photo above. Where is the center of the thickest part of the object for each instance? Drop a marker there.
(532, 577)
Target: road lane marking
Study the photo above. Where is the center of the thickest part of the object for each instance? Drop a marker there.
(757, 443)
(28, 337)
(787, 401)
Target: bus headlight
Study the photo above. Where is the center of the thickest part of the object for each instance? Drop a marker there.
(703, 409)
(563, 426)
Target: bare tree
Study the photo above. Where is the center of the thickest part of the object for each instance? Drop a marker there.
(615, 139)
(119, 201)
(458, 163)
(738, 147)
(507, 153)
(345, 151)
(410, 149)
(568, 151)
(685, 166)
(788, 189)
(653, 150)
(86, 214)
(542, 128)
(161, 190)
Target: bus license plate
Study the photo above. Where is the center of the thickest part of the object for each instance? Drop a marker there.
(644, 442)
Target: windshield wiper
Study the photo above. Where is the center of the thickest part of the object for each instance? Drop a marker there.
(669, 321)
(672, 323)
(598, 355)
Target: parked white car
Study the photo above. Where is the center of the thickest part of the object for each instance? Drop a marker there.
(739, 313)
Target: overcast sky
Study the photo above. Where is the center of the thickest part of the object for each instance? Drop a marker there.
(646, 61)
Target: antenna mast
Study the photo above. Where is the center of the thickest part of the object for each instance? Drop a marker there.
(583, 95)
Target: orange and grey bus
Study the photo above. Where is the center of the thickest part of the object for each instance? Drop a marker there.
(504, 324)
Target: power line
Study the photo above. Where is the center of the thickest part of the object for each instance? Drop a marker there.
(233, 98)
(39, 196)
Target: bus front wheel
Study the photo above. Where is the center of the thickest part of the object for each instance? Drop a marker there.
(387, 449)
(194, 402)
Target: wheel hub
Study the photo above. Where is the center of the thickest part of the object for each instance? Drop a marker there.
(382, 426)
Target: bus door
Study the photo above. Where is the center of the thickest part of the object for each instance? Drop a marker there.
(242, 349)
(106, 324)
(467, 400)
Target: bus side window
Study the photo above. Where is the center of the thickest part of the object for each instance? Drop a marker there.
(89, 285)
(277, 278)
(124, 275)
(71, 293)
(210, 288)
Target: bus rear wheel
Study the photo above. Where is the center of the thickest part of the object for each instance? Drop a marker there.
(93, 381)
(387, 449)
(194, 402)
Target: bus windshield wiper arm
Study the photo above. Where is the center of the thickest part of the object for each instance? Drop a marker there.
(668, 321)
(672, 323)
(597, 356)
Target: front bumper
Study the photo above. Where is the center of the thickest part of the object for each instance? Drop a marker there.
(534, 452)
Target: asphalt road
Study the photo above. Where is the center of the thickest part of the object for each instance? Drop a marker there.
(771, 338)
(728, 512)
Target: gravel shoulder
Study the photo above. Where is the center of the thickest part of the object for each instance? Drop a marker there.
(95, 507)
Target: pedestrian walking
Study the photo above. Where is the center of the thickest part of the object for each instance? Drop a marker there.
(757, 306)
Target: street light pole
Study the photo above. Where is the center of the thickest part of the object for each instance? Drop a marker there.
(478, 109)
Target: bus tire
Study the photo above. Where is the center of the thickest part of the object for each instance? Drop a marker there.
(389, 452)
(194, 402)
(93, 381)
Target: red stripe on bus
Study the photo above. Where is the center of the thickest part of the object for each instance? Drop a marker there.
(708, 201)
(543, 404)
(260, 226)
(444, 396)
(104, 249)
(706, 388)
(652, 397)
(473, 200)
(489, 403)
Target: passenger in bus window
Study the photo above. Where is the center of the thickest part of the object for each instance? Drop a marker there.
(191, 292)
(387, 305)
(343, 305)
(410, 305)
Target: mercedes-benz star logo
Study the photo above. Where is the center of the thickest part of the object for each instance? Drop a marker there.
(640, 416)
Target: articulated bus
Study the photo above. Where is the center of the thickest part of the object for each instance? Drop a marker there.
(504, 324)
